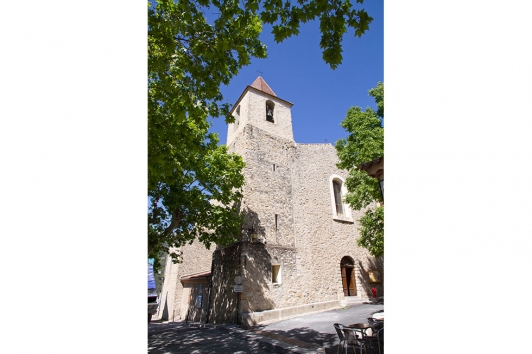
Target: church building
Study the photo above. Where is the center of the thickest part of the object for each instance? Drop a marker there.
(297, 252)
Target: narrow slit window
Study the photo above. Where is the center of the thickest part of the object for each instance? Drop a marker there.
(276, 273)
(276, 222)
(237, 117)
(273, 167)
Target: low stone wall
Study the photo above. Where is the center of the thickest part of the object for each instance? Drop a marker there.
(264, 317)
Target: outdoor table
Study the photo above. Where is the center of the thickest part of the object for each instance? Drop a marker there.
(362, 327)
(379, 316)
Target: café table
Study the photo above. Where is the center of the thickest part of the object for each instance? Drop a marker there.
(362, 327)
(378, 316)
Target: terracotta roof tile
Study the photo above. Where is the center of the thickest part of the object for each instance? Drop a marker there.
(261, 85)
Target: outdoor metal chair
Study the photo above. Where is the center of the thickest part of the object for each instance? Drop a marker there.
(376, 339)
(375, 325)
(338, 327)
(355, 338)
(380, 338)
(344, 343)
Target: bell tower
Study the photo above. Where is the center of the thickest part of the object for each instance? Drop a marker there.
(259, 106)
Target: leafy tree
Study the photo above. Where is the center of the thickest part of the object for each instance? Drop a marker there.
(365, 143)
(194, 185)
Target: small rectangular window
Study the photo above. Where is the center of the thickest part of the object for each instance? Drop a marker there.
(275, 222)
(276, 273)
(273, 167)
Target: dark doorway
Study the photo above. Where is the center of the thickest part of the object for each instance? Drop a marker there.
(347, 265)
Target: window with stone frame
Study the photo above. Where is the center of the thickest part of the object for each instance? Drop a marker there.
(337, 190)
(339, 209)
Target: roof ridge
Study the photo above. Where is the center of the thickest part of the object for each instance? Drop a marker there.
(261, 85)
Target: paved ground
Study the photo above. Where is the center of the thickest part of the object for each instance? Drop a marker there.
(306, 334)
(180, 337)
(318, 329)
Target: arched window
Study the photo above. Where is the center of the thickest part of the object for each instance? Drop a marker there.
(270, 106)
(340, 210)
(337, 190)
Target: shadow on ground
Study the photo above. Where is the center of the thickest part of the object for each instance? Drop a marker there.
(307, 338)
(197, 339)
(200, 339)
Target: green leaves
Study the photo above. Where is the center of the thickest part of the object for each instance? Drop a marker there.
(335, 16)
(364, 143)
(372, 232)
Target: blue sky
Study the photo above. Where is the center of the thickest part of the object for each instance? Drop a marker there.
(321, 96)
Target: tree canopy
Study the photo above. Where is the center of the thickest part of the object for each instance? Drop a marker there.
(194, 185)
(365, 143)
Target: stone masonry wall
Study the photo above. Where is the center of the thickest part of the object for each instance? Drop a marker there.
(299, 191)
(195, 258)
(224, 301)
(167, 300)
(241, 120)
(282, 126)
(253, 262)
(321, 240)
(253, 111)
(268, 190)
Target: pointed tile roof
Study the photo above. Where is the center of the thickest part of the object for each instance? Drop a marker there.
(261, 85)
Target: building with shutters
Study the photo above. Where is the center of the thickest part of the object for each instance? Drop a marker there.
(297, 252)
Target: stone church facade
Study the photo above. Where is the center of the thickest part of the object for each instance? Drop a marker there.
(297, 252)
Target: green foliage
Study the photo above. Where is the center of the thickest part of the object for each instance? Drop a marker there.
(194, 185)
(372, 231)
(364, 143)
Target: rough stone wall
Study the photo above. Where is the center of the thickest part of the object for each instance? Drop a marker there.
(308, 241)
(267, 202)
(195, 258)
(253, 111)
(235, 129)
(253, 262)
(282, 126)
(167, 300)
(226, 266)
(193, 290)
(260, 293)
(287, 292)
(321, 240)
(299, 191)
